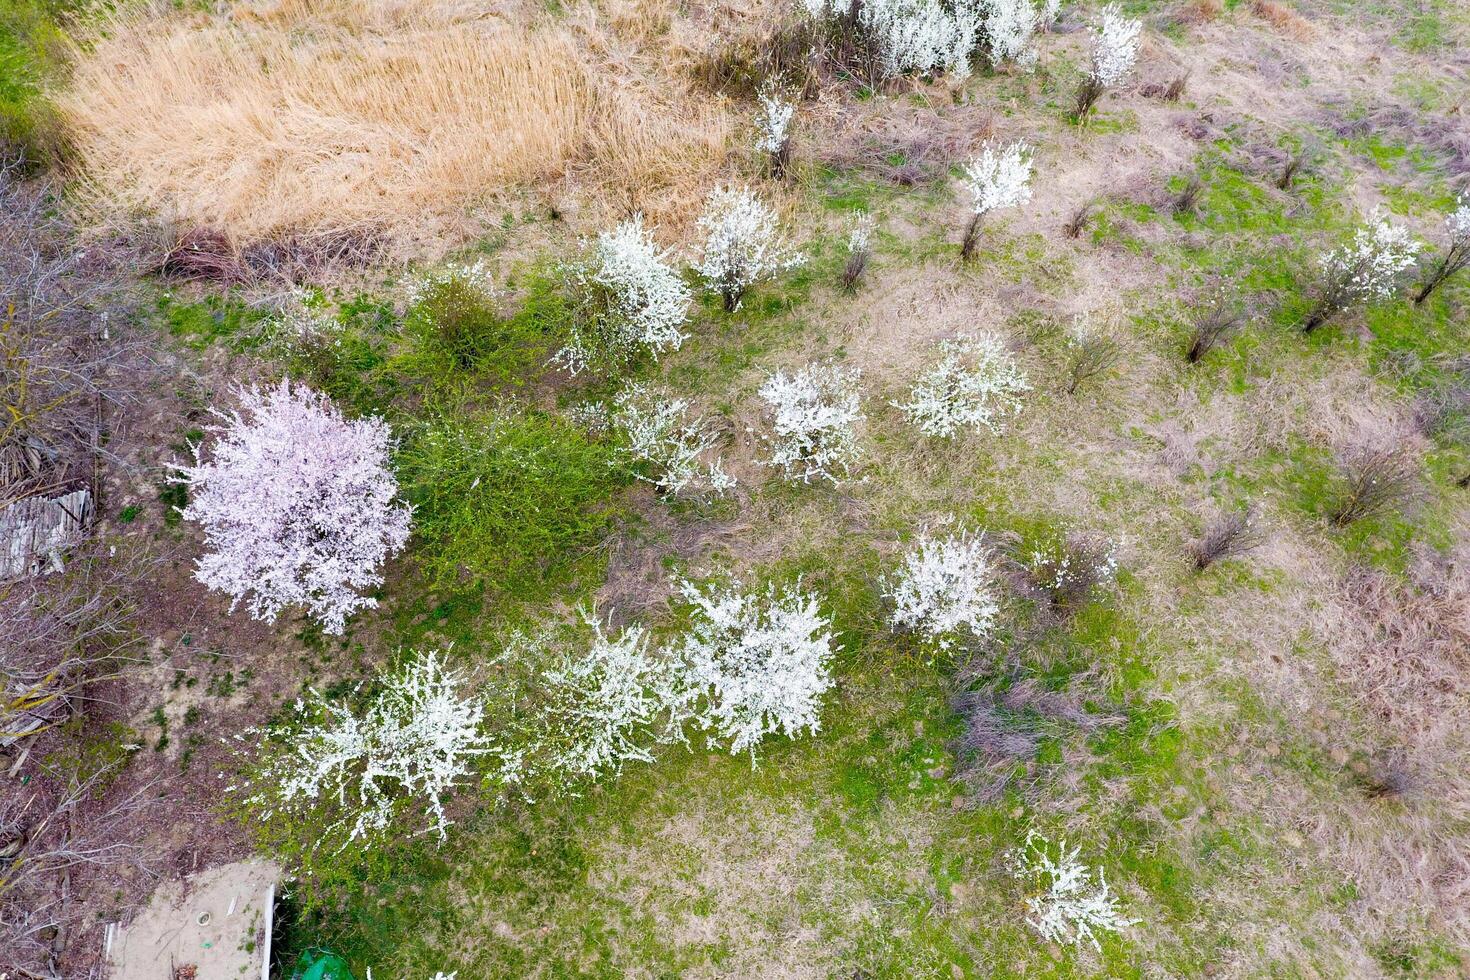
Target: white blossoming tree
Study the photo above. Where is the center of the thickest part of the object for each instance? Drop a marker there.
(999, 177)
(814, 417)
(297, 504)
(1455, 256)
(1368, 268)
(759, 662)
(976, 383)
(859, 251)
(773, 129)
(664, 445)
(1068, 903)
(903, 36)
(609, 703)
(742, 244)
(413, 743)
(633, 301)
(1050, 11)
(1114, 52)
(1010, 26)
(944, 591)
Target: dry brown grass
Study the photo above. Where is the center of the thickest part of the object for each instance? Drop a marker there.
(1407, 649)
(396, 120)
(1283, 19)
(1200, 11)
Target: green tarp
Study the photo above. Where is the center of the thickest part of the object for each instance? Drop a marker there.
(321, 964)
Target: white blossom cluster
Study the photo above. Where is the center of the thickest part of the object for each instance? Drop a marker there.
(773, 121)
(1059, 569)
(1457, 223)
(1069, 903)
(860, 238)
(742, 245)
(1010, 26)
(814, 417)
(923, 36)
(1370, 266)
(611, 703)
(300, 318)
(1114, 46)
(976, 383)
(1050, 11)
(945, 590)
(476, 275)
(297, 504)
(760, 662)
(637, 301)
(415, 741)
(666, 446)
(999, 177)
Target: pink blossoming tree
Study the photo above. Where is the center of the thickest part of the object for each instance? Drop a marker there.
(297, 504)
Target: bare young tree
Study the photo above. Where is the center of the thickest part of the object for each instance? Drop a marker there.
(1289, 169)
(1221, 319)
(1187, 200)
(1372, 483)
(1229, 535)
(1455, 256)
(1081, 215)
(1091, 353)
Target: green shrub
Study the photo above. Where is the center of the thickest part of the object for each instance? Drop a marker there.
(514, 501)
(456, 326)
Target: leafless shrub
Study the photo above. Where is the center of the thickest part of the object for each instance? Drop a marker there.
(1089, 90)
(1200, 11)
(1387, 776)
(1221, 320)
(64, 358)
(65, 631)
(204, 254)
(70, 822)
(1229, 535)
(859, 253)
(1187, 200)
(1089, 355)
(1080, 218)
(1293, 165)
(1004, 729)
(791, 53)
(1171, 91)
(1283, 18)
(1373, 482)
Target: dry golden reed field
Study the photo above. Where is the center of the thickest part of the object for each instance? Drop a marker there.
(392, 120)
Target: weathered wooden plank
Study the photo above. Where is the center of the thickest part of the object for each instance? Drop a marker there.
(36, 530)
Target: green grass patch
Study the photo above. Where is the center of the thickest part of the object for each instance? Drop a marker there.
(507, 501)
